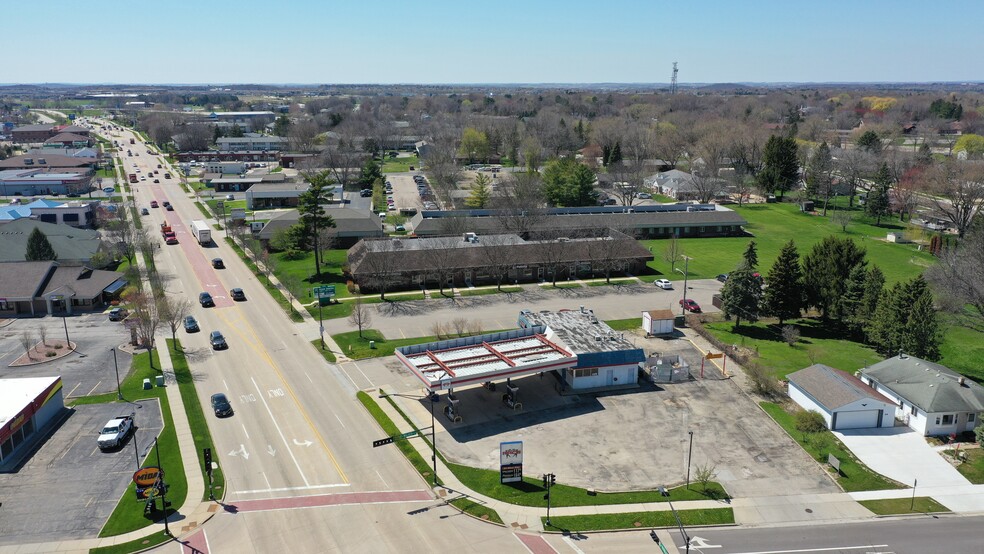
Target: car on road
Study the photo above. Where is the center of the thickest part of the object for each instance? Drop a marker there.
(365, 193)
(171, 239)
(169, 208)
(221, 405)
(217, 341)
(144, 211)
(723, 277)
(153, 204)
(205, 299)
(238, 294)
(644, 195)
(157, 180)
(690, 305)
(664, 284)
(118, 314)
(217, 263)
(191, 324)
(230, 197)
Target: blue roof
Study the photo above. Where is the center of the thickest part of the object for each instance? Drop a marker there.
(616, 357)
(116, 286)
(44, 203)
(10, 213)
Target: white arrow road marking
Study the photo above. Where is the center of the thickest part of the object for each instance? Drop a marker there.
(305, 443)
(699, 542)
(241, 451)
(271, 450)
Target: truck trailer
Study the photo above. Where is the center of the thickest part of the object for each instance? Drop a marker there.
(202, 232)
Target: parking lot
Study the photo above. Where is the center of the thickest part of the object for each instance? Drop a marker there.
(67, 488)
(89, 370)
(405, 193)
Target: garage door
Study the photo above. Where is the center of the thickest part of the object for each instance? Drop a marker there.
(864, 419)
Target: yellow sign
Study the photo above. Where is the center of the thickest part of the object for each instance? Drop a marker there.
(146, 477)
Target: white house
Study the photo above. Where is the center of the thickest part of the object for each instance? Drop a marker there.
(841, 398)
(930, 398)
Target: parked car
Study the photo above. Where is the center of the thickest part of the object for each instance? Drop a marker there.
(217, 263)
(221, 405)
(723, 277)
(190, 324)
(690, 305)
(118, 314)
(400, 228)
(365, 193)
(238, 294)
(205, 299)
(230, 197)
(644, 195)
(169, 208)
(664, 284)
(217, 341)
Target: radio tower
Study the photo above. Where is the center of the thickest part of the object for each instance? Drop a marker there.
(673, 80)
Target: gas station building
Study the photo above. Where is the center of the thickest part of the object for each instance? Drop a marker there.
(26, 407)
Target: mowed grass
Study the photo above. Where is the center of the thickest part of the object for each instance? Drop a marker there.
(358, 348)
(400, 165)
(773, 225)
(963, 349)
(973, 468)
(639, 520)
(854, 476)
(299, 273)
(816, 345)
(892, 506)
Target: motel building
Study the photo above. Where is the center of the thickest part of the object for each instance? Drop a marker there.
(582, 353)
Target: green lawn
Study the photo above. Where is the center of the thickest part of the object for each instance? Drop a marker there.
(563, 285)
(300, 273)
(816, 340)
(855, 476)
(963, 350)
(637, 520)
(480, 511)
(270, 288)
(400, 165)
(892, 506)
(487, 291)
(358, 348)
(773, 225)
(196, 416)
(325, 352)
(629, 324)
(390, 429)
(137, 545)
(973, 468)
(603, 283)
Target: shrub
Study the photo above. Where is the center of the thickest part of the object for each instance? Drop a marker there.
(979, 434)
(809, 421)
(790, 334)
(294, 254)
(350, 286)
(763, 381)
(50, 354)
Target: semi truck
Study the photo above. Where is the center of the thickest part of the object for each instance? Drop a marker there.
(202, 232)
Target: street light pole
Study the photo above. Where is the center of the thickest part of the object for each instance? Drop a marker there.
(119, 393)
(686, 275)
(68, 343)
(690, 453)
(433, 438)
(167, 530)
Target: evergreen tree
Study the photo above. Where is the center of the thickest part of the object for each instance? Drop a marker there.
(236, 131)
(606, 154)
(311, 208)
(616, 155)
(569, 183)
(906, 321)
(38, 247)
(370, 173)
(481, 193)
(874, 283)
(820, 175)
(783, 299)
(869, 142)
(780, 165)
(883, 328)
(741, 295)
(281, 126)
(877, 203)
(853, 300)
(826, 270)
(922, 334)
(924, 158)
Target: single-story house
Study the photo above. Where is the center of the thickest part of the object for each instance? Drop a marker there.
(70, 140)
(411, 263)
(841, 398)
(48, 288)
(930, 398)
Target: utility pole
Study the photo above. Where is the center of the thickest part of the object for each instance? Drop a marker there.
(686, 275)
(433, 438)
(690, 453)
(119, 393)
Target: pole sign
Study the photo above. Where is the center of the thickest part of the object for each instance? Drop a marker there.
(326, 291)
(511, 462)
(147, 476)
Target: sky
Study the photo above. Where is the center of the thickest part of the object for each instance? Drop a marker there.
(504, 41)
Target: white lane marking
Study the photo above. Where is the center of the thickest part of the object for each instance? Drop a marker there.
(279, 432)
(700, 542)
(265, 479)
(831, 549)
(339, 421)
(305, 443)
(570, 543)
(271, 450)
(94, 388)
(283, 489)
(371, 384)
(346, 374)
(245, 431)
(225, 385)
(208, 548)
(381, 479)
(309, 377)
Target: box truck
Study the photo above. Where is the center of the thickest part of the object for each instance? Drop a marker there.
(201, 231)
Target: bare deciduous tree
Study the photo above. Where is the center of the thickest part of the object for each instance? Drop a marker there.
(672, 252)
(495, 253)
(27, 341)
(521, 204)
(460, 324)
(172, 310)
(440, 258)
(958, 193)
(361, 315)
(43, 334)
(790, 334)
(148, 319)
(704, 474)
(842, 218)
(960, 271)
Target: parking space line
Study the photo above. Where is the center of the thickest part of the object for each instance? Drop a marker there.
(94, 388)
(371, 384)
(69, 395)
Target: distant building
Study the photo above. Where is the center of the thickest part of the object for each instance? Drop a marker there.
(241, 144)
(53, 160)
(38, 182)
(223, 156)
(75, 214)
(41, 133)
(72, 245)
(351, 226)
(69, 140)
(275, 195)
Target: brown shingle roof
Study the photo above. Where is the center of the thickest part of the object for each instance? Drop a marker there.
(833, 388)
(22, 279)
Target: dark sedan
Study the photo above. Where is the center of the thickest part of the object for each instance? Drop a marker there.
(191, 325)
(221, 405)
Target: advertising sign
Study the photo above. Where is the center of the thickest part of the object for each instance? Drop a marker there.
(511, 462)
(147, 476)
(238, 214)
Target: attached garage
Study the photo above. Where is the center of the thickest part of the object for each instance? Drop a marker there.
(841, 398)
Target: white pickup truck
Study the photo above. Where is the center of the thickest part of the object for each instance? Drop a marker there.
(115, 431)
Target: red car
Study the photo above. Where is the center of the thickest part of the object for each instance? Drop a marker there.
(690, 306)
(153, 203)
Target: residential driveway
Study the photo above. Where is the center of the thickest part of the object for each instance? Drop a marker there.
(901, 454)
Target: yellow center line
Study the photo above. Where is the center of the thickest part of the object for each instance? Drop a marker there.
(265, 355)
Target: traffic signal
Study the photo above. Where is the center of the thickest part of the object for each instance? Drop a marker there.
(553, 479)
(546, 480)
(208, 459)
(654, 536)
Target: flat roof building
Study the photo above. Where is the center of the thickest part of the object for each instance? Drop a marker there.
(27, 406)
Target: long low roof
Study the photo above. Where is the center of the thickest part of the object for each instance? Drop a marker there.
(470, 360)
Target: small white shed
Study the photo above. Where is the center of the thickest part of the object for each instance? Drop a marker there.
(657, 322)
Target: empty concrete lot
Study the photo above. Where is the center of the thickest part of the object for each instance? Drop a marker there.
(635, 439)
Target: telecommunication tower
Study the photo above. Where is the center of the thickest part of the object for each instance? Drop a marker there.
(673, 80)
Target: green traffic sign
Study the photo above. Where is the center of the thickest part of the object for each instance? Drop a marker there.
(408, 434)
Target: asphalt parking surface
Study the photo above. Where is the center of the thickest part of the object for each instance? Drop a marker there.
(67, 488)
(87, 371)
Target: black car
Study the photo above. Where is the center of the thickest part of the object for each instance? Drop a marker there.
(221, 405)
(723, 277)
(217, 263)
(191, 325)
(238, 294)
(205, 299)
(365, 193)
(217, 341)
